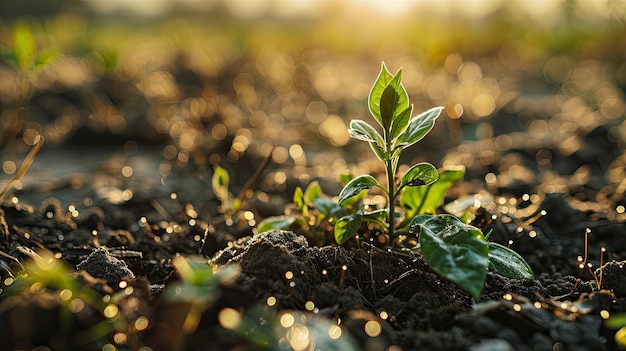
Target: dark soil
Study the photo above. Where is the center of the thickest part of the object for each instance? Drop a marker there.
(416, 309)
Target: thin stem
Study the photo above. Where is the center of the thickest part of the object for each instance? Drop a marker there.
(391, 180)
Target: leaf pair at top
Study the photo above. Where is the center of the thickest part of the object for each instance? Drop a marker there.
(389, 105)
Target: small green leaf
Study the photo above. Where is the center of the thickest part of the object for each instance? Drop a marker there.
(616, 321)
(426, 199)
(219, 181)
(346, 227)
(24, 47)
(329, 208)
(193, 272)
(276, 222)
(419, 126)
(384, 77)
(508, 263)
(420, 174)
(312, 192)
(361, 130)
(377, 216)
(345, 178)
(356, 185)
(352, 203)
(298, 200)
(388, 103)
(393, 103)
(454, 250)
(401, 122)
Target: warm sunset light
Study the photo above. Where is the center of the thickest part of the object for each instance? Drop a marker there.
(312, 175)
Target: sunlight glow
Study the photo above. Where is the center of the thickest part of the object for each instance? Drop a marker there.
(248, 10)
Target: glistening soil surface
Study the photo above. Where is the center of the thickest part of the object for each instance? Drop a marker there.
(280, 273)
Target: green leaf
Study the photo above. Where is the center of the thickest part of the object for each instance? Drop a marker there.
(616, 321)
(377, 216)
(298, 200)
(276, 222)
(353, 203)
(24, 47)
(419, 126)
(401, 122)
(393, 103)
(346, 227)
(389, 102)
(361, 130)
(328, 207)
(454, 250)
(426, 199)
(508, 263)
(219, 181)
(312, 192)
(193, 272)
(384, 77)
(420, 174)
(345, 178)
(356, 185)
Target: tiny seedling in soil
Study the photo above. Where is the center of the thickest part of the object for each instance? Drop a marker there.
(453, 249)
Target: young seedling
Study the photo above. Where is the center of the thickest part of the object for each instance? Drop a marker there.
(455, 250)
(389, 105)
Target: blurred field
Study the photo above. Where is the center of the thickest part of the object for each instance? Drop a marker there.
(534, 93)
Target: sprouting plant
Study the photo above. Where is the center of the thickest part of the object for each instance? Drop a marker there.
(27, 59)
(389, 105)
(315, 212)
(453, 249)
(220, 181)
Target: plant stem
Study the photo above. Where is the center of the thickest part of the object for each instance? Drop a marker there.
(391, 181)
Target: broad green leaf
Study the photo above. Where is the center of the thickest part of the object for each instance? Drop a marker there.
(345, 178)
(219, 181)
(420, 174)
(298, 200)
(363, 131)
(24, 47)
(392, 102)
(384, 77)
(454, 250)
(419, 126)
(193, 272)
(617, 320)
(508, 263)
(329, 208)
(354, 202)
(402, 103)
(346, 227)
(446, 226)
(356, 185)
(400, 122)
(276, 222)
(312, 192)
(377, 216)
(426, 199)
